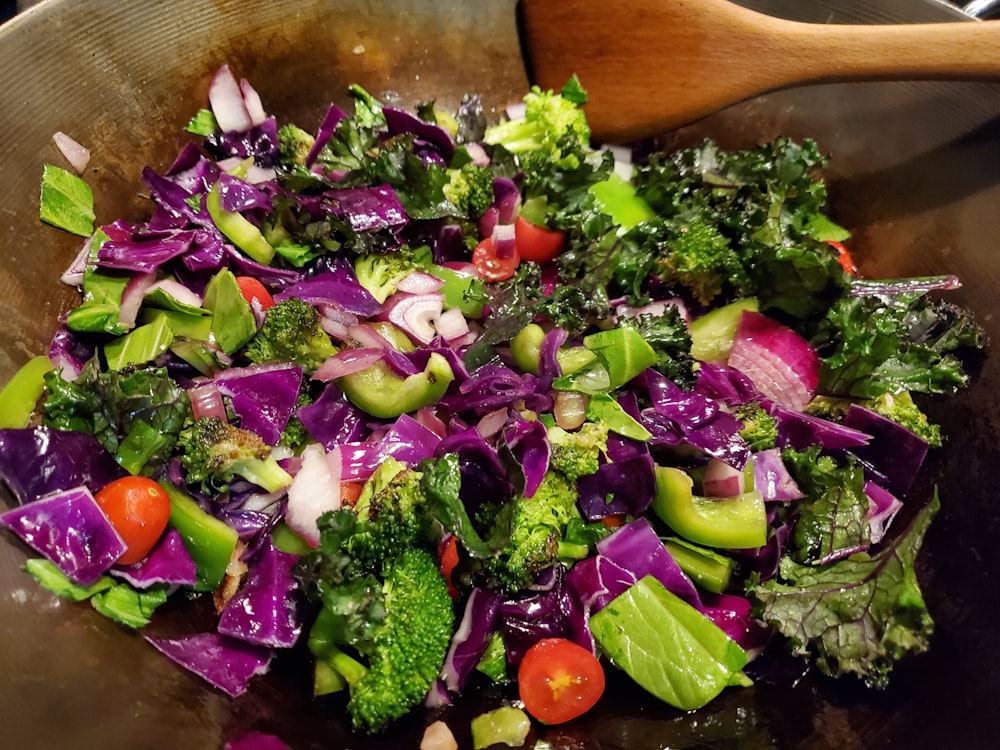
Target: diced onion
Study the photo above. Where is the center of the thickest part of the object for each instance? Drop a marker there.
(722, 480)
(347, 362)
(415, 314)
(452, 325)
(76, 154)
(420, 282)
(314, 490)
(226, 100)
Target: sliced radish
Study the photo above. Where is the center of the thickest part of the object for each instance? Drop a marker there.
(778, 361)
(314, 490)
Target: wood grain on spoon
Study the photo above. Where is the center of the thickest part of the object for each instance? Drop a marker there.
(652, 65)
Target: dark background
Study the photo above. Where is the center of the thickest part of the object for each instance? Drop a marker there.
(7, 8)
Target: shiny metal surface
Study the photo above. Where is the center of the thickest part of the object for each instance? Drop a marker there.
(914, 174)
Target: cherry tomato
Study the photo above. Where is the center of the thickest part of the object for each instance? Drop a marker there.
(252, 289)
(843, 256)
(138, 508)
(350, 492)
(559, 680)
(489, 266)
(537, 243)
(448, 552)
(613, 522)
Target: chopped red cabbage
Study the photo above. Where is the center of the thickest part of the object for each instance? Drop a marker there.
(483, 473)
(472, 636)
(69, 352)
(224, 662)
(334, 115)
(726, 384)
(528, 443)
(799, 430)
(260, 142)
(488, 388)
(37, 461)
(144, 252)
(732, 614)
(169, 562)
(338, 287)
(256, 741)
(545, 611)
(332, 420)
(240, 195)
(628, 478)
(894, 455)
(262, 396)
(70, 529)
(637, 548)
(407, 441)
(267, 610)
(771, 477)
(883, 507)
(400, 121)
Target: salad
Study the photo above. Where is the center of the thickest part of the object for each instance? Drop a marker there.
(450, 402)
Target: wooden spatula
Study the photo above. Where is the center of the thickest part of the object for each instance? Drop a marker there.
(652, 65)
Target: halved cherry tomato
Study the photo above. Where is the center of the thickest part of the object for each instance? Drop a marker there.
(559, 680)
(613, 522)
(537, 243)
(843, 256)
(350, 492)
(489, 266)
(138, 508)
(448, 553)
(252, 289)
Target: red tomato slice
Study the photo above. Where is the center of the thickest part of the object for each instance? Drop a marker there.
(843, 256)
(252, 289)
(139, 509)
(559, 680)
(489, 266)
(448, 552)
(537, 243)
(350, 492)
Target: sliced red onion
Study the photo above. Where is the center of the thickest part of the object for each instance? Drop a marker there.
(427, 417)
(76, 154)
(73, 275)
(420, 282)
(722, 480)
(368, 337)
(503, 241)
(778, 361)
(771, 478)
(347, 362)
(882, 508)
(135, 292)
(515, 111)
(492, 423)
(452, 325)
(334, 328)
(488, 221)
(206, 401)
(252, 103)
(314, 490)
(415, 314)
(176, 290)
(466, 340)
(226, 100)
(338, 314)
(478, 154)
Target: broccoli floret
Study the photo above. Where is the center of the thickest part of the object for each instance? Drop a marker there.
(901, 409)
(400, 639)
(295, 436)
(470, 190)
(294, 145)
(291, 332)
(380, 274)
(760, 429)
(215, 452)
(576, 454)
(700, 258)
(536, 539)
(553, 127)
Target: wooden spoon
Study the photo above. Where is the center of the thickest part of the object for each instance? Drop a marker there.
(652, 65)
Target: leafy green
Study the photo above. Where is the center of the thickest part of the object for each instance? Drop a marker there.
(111, 405)
(66, 202)
(875, 343)
(857, 615)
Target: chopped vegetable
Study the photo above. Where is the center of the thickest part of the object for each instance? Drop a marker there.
(139, 509)
(559, 680)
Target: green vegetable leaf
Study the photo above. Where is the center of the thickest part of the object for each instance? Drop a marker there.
(667, 646)
(54, 580)
(203, 123)
(441, 483)
(130, 606)
(140, 345)
(606, 410)
(856, 615)
(233, 323)
(66, 201)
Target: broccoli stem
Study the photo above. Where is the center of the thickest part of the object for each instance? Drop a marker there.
(265, 473)
(572, 551)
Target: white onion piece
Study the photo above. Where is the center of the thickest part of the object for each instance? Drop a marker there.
(338, 314)
(313, 491)
(478, 154)
(438, 736)
(722, 480)
(177, 291)
(132, 298)
(516, 111)
(256, 175)
(333, 328)
(415, 314)
(227, 103)
(492, 423)
(503, 241)
(252, 103)
(778, 361)
(77, 155)
(463, 267)
(206, 401)
(73, 275)
(466, 340)
(347, 362)
(368, 337)
(452, 325)
(230, 163)
(420, 282)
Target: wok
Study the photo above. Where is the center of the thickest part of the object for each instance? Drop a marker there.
(914, 173)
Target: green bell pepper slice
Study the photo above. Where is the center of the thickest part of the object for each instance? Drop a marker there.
(382, 393)
(19, 396)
